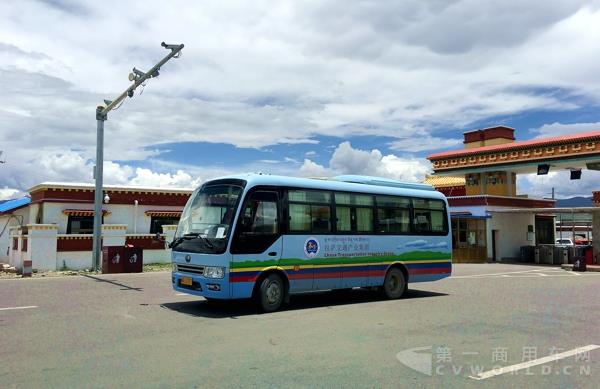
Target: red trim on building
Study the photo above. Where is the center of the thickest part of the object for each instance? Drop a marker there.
(83, 212)
(164, 213)
(70, 196)
(514, 202)
(587, 136)
(145, 242)
(74, 244)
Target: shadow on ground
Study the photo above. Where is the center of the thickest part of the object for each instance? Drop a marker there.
(237, 308)
(113, 282)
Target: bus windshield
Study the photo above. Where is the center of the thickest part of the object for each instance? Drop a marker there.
(207, 219)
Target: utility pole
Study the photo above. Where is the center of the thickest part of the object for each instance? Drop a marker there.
(138, 77)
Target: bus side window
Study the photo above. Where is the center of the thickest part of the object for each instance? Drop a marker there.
(429, 216)
(258, 226)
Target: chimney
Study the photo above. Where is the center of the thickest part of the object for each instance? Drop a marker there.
(489, 136)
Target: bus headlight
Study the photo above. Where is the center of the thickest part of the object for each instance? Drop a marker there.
(214, 271)
(174, 267)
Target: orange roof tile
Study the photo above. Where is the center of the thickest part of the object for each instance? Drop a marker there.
(586, 136)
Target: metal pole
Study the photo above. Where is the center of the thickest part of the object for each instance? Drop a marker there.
(573, 226)
(98, 192)
(138, 78)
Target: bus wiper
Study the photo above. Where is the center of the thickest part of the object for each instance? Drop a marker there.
(191, 236)
(179, 240)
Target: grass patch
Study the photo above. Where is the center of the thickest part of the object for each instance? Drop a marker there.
(157, 266)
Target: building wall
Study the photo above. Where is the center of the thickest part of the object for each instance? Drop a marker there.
(119, 214)
(5, 238)
(512, 234)
(491, 183)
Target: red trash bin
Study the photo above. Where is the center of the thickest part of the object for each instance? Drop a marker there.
(113, 259)
(589, 255)
(134, 259)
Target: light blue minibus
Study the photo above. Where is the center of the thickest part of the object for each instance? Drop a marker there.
(268, 237)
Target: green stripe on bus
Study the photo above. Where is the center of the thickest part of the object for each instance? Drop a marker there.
(411, 256)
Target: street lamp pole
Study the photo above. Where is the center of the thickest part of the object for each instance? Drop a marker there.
(138, 77)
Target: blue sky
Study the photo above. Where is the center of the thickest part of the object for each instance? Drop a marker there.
(311, 89)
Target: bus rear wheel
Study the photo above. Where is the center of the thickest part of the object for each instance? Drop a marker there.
(394, 284)
(270, 293)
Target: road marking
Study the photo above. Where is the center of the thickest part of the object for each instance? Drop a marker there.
(12, 308)
(497, 274)
(181, 294)
(535, 362)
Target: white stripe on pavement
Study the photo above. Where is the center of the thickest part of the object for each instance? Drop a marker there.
(11, 308)
(535, 362)
(498, 274)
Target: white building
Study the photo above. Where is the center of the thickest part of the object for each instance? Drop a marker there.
(53, 228)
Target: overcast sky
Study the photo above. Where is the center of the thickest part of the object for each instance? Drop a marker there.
(297, 88)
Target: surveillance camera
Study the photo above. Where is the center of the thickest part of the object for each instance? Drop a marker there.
(171, 47)
(139, 73)
(106, 199)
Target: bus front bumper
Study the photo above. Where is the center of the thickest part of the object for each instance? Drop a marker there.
(197, 285)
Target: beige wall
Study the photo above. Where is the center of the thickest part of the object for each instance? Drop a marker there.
(512, 234)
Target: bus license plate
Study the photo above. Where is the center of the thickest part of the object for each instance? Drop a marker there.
(187, 281)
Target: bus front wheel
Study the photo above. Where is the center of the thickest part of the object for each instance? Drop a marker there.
(271, 293)
(394, 284)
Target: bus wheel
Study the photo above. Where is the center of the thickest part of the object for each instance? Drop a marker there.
(394, 284)
(270, 293)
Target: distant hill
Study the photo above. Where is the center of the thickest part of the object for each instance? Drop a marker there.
(574, 202)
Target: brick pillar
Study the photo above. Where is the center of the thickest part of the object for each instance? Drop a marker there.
(596, 227)
(114, 234)
(169, 232)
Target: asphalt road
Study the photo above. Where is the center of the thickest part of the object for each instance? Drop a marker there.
(133, 330)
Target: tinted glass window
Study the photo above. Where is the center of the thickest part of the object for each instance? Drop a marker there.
(344, 223)
(309, 196)
(353, 199)
(395, 202)
(310, 218)
(429, 216)
(300, 217)
(258, 226)
(364, 219)
(391, 220)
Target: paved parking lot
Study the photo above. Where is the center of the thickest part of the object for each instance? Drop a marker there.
(132, 329)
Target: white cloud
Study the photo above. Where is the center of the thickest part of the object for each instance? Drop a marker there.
(564, 187)
(556, 129)
(264, 73)
(7, 193)
(423, 142)
(348, 160)
(313, 169)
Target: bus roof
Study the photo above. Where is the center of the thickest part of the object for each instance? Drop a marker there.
(361, 184)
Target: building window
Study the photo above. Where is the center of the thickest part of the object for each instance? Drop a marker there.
(80, 225)
(468, 233)
(156, 223)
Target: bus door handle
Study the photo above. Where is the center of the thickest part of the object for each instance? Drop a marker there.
(272, 254)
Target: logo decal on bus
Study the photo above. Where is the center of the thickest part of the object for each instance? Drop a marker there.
(311, 247)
